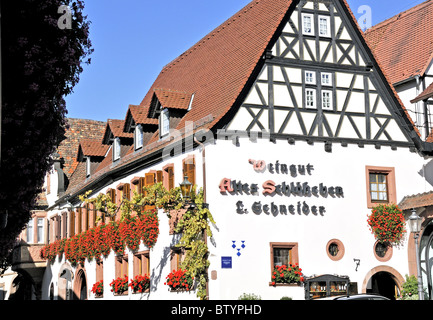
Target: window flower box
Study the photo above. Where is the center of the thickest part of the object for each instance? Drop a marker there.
(179, 280)
(140, 284)
(119, 286)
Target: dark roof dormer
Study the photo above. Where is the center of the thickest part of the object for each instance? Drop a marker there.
(93, 153)
(119, 140)
(114, 129)
(178, 101)
(139, 115)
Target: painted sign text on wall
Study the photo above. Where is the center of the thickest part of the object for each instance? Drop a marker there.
(296, 189)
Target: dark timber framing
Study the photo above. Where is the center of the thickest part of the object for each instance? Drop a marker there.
(352, 57)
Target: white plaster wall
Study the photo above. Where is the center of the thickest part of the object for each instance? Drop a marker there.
(345, 219)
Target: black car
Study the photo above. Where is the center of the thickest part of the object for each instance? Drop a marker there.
(357, 297)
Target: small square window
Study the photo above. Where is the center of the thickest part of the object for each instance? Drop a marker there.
(380, 185)
(283, 253)
(327, 100)
(308, 24)
(310, 77)
(310, 98)
(326, 79)
(324, 26)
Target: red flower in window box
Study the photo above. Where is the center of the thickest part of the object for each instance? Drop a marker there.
(119, 285)
(180, 280)
(98, 288)
(387, 224)
(100, 240)
(140, 283)
(287, 274)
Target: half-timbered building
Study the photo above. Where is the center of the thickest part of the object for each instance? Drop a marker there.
(286, 120)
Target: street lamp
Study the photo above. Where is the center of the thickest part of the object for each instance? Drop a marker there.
(185, 188)
(415, 222)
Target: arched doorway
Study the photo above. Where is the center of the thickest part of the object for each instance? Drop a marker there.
(383, 283)
(80, 285)
(426, 260)
(383, 280)
(65, 283)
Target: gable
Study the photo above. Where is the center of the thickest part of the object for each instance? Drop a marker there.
(352, 103)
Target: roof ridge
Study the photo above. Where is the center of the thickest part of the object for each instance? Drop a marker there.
(212, 33)
(399, 16)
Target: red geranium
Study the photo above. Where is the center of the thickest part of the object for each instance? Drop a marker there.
(140, 283)
(180, 280)
(98, 288)
(287, 274)
(387, 224)
(102, 239)
(119, 285)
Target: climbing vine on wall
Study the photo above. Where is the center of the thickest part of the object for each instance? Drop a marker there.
(137, 224)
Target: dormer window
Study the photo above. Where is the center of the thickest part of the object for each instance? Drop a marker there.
(116, 149)
(164, 123)
(87, 167)
(138, 137)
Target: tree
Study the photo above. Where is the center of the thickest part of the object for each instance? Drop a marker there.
(43, 53)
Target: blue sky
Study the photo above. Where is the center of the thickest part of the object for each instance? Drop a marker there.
(135, 39)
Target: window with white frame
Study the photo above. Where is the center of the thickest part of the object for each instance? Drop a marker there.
(40, 230)
(310, 77)
(116, 149)
(324, 26)
(310, 98)
(138, 137)
(326, 79)
(308, 24)
(164, 123)
(327, 100)
(30, 231)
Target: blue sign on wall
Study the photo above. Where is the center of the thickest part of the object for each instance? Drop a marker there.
(226, 262)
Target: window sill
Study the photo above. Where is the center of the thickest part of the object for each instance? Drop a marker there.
(285, 284)
(137, 292)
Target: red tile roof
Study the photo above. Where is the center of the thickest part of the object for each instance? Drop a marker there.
(173, 99)
(78, 129)
(140, 115)
(217, 68)
(404, 43)
(426, 94)
(93, 148)
(416, 201)
(116, 128)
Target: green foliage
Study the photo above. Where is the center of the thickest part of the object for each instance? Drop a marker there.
(410, 288)
(194, 224)
(195, 228)
(249, 296)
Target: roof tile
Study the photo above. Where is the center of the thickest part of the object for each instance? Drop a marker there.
(404, 43)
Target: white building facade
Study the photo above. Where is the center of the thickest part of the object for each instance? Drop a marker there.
(292, 152)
